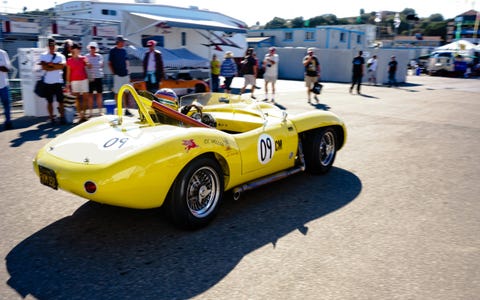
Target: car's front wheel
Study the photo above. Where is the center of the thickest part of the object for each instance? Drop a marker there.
(196, 194)
(320, 150)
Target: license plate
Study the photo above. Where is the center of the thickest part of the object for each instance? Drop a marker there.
(48, 177)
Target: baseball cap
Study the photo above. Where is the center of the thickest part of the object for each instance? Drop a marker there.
(51, 42)
(151, 43)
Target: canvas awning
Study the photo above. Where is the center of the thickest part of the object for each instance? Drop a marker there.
(175, 58)
(165, 22)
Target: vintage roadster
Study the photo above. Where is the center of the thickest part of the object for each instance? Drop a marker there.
(184, 157)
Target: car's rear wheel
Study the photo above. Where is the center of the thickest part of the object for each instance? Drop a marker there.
(320, 150)
(196, 194)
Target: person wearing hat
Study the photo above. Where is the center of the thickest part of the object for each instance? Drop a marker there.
(153, 67)
(270, 63)
(228, 69)
(95, 77)
(119, 65)
(53, 63)
(392, 69)
(77, 79)
(312, 72)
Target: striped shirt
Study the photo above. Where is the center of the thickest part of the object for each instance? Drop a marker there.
(96, 71)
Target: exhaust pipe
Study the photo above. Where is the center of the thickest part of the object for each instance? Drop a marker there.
(237, 191)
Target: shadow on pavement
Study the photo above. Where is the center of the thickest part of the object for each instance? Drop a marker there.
(43, 130)
(103, 252)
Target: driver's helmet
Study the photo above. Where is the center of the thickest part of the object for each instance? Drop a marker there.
(167, 97)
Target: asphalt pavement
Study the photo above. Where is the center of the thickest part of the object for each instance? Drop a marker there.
(398, 217)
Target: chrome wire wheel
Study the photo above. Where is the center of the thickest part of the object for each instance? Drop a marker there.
(196, 194)
(320, 150)
(327, 148)
(203, 191)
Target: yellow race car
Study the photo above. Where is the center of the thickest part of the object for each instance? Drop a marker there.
(184, 155)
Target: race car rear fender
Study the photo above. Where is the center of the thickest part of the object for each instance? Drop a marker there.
(313, 120)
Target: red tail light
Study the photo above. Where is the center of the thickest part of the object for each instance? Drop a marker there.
(90, 187)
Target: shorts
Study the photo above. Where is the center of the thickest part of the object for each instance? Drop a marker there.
(310, 81)
(249, 79)
(79, 86)
(118, 81)
(96, 85)
(270, 78)
(54, 90)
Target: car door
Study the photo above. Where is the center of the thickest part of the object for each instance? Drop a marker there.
(268, 149)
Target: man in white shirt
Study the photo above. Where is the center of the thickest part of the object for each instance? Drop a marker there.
(52, 63)
(5, 66)
(270, 63)
(372, 70)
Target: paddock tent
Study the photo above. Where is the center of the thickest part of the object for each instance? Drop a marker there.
(463, 47)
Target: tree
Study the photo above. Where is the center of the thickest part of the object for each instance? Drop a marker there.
(297, 22)
(436, 18)
(435, 25)
(276, 23)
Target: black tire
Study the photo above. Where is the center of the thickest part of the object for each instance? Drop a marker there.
(320, 149)
(196, 194)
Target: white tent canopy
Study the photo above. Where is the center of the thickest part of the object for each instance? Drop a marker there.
(457, 46)
(462, 47)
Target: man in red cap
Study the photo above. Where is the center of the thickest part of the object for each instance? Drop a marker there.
(153, 67)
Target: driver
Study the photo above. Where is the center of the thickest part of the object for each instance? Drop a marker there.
(167, 97)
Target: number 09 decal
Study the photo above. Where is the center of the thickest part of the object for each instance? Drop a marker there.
(265, 148)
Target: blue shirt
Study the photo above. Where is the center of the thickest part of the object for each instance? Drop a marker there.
(118, 59)
(228, 68)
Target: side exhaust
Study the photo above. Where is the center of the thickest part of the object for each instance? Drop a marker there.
(237, 191)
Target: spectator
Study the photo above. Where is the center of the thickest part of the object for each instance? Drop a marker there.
(228, 69)
(270, 64)
(215, 72)
(95, 76)
(249, 70)
(5, 66)
(312, 72)
(153, 67)
(119, 65)
(372, 70)
(53, 63)
(357, 71)
(392, 69)
(77, 80)
(67, 52)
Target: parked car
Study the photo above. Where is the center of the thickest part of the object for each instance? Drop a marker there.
(185, 159)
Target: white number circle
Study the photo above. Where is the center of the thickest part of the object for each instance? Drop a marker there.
(265, 148)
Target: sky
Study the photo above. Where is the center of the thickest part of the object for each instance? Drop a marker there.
(263, 11)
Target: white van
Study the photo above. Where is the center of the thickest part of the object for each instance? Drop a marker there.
(441, 63)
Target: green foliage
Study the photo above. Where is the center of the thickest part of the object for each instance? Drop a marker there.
(435, 25)
(277, 23)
